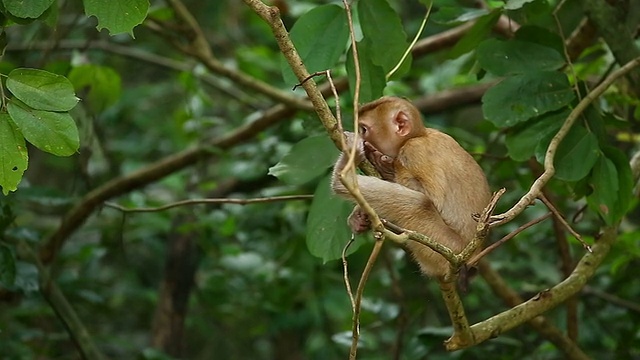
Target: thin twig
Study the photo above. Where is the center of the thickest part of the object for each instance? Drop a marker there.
(413, 43)
(345, 272)
(562, 221)
(474, 260)
(350, 169)
(336, 95)
(199, 48)
(208, 201)
(317, 73)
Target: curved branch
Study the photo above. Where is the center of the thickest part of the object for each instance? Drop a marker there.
(544, 300)
(539, 323)
(549, 168)
(199, 48)
(271, 15)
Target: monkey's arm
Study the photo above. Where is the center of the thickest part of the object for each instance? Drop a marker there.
(405, 207)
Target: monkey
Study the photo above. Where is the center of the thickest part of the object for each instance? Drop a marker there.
(429, 183)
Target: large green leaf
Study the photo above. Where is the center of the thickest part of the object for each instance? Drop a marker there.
(575, 156)
(382, 27)
(320, 37)
(521, 97)
(516, 57)
(13, 154)
(522, 141)
(306, 160)
(372, 76)
(27, 9)
(53, 132)
(327, 229)
(41, 89)
(117, 16)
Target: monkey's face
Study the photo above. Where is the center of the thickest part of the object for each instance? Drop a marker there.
(380, 135)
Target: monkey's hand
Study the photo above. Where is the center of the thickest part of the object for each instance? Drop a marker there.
(382, 162)
(349, 138)
(358, 221)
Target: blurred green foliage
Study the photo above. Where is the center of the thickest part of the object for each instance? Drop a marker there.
(258, 292)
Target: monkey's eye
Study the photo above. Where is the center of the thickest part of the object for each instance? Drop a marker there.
(362, 129)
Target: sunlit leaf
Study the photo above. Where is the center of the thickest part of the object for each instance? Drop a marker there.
(41, 89)
(307, 160)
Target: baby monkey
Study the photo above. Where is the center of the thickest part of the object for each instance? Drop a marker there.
(429, 184)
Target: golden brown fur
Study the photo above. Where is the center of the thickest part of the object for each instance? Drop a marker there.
(437, 186)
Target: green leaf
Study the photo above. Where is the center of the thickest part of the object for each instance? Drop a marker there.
(522, 141)
(521, 97)
(27, 9)
(41, 89)
(576, 154)
(53, 132)
(625, 183)
(327, 229)
(372, 76)
(455, 14)
(516, 57)
(541, 36)
(13, 155)
(103, 83)
(382, 28)
(605, 182)
(306, 160)
(516, 4)
(475, 35)
(320, 37)
(117, 16)
(50, 16)
(7, 267)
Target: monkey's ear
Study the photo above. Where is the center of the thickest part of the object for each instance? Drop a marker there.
(403, 123)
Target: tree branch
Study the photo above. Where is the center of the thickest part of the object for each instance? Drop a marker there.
(75, 217)
(549, 168)
(544, 300)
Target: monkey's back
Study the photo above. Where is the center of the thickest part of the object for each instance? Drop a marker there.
(448, 174)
